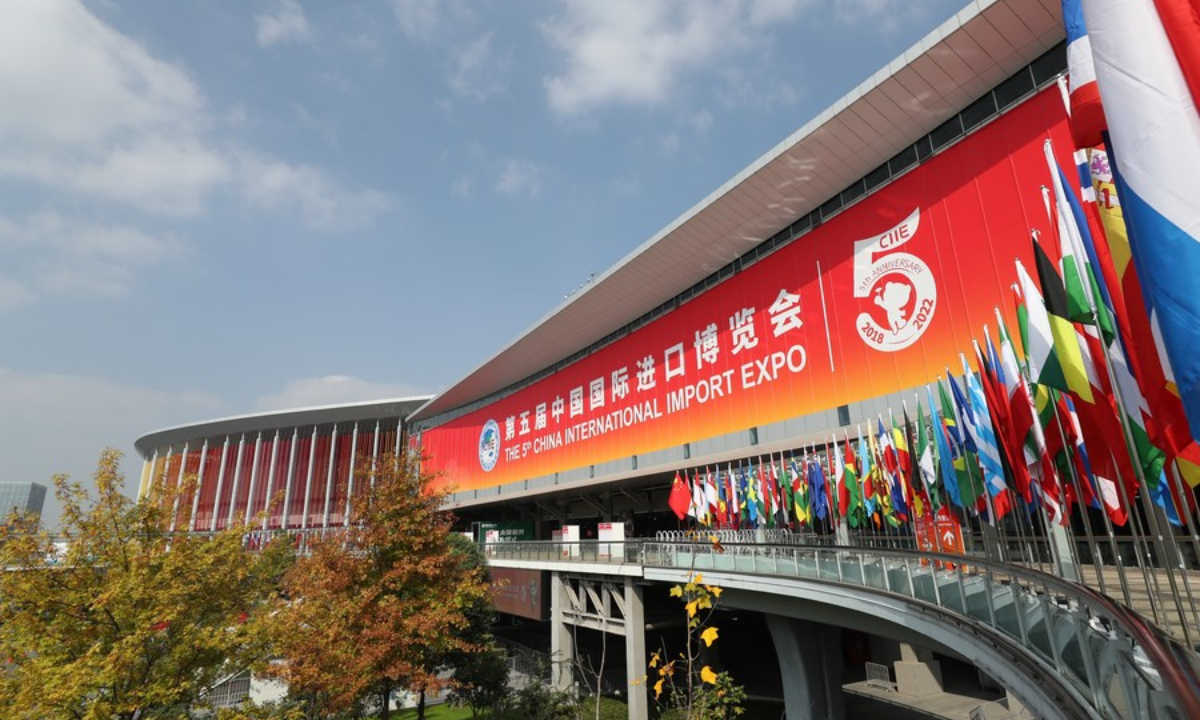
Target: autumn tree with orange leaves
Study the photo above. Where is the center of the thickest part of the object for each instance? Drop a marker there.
(379, 608)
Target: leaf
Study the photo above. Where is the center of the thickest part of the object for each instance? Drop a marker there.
(655, 659)
(699, 579)
(691, 608)
(677, 591)
(708, 676)
(658, 686)
(709, 636)
(715, 590)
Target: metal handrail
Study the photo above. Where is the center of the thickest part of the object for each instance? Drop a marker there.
(1173, 668)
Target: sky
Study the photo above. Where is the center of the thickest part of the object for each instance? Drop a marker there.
(217, 208)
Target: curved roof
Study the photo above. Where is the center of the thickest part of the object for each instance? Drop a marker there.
(937, 77)
(266, 421)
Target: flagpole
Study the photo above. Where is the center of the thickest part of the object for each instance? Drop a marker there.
(1122, 417)
(1184, 571)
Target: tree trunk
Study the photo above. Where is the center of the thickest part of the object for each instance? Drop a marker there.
(421, 705)
(386, 692)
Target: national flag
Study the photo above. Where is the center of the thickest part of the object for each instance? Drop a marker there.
(927, 471)
(816, 481)
(699, 508)
(1037, 339)
(977, 423)
(1148, 68)
(1028, 445)
(734, 496)
(1011, 444)
(947, 451)
(866, 468)
(1065, 343)
(1162, 411)
(1087, 114)
(800, 494)
(712, 498)
(897, 501)
(723, 519)
(783, 495)
(850, 493)
(966, 461)
(1085, 296)
(900, 441)
(753, 502)
(680, 498)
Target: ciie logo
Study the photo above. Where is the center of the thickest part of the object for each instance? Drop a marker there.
(900, 287)
(489, 446)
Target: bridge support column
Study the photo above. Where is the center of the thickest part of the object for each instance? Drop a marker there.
(917, 673)
(562, 647)
(811, 665)
(635, 651)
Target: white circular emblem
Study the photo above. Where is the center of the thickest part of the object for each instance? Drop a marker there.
(900, 286)
(489, 445)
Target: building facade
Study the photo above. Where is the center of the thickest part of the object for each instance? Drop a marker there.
(26, 498)
(298, 468)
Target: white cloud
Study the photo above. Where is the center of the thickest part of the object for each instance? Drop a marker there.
(45, 253)
(418, 19)
(479, 69)
(331, 390)
(55, 423)
(669, 142)
(322, 203)
(284, 22)
(519, 177)
(87, 111)
(462, 187)
(637, 51)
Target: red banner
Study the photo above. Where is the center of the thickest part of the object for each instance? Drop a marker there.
(880, 298)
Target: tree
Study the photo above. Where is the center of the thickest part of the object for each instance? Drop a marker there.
(481, 682)
(684, 687)
(379, 607)
(131, 621)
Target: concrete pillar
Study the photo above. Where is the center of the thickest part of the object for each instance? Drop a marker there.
(917, 673)
(811, 665)
(1060, 546)
(562, 647)
(635, 651)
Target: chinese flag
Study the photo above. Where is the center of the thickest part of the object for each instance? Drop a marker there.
(680, 497)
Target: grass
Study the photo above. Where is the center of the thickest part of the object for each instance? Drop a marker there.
(435, 712)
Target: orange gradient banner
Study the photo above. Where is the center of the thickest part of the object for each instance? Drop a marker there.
(882, 297)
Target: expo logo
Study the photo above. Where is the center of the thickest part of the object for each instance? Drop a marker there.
(898, 283)
(489, 445)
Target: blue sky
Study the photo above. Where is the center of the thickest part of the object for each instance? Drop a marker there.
(215, 208)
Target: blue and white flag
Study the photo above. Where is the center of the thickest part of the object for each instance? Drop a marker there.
(977, 425)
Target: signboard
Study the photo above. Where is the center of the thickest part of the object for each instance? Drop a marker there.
(520, 592)
(569, 535)
(880, 298)
(611, 536)
(504, 531)
(939, 532)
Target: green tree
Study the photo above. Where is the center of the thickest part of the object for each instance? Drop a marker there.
(131, 621)
(481, 682)
(380, 607)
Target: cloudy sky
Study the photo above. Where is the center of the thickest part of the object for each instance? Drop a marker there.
(214, 208)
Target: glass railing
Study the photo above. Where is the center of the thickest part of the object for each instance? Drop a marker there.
(1123, 667)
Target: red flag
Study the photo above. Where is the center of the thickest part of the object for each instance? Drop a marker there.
(680, 498)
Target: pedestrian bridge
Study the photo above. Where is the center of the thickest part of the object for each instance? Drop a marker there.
(1063, 649)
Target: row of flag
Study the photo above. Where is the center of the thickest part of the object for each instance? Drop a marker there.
(1101, 399)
